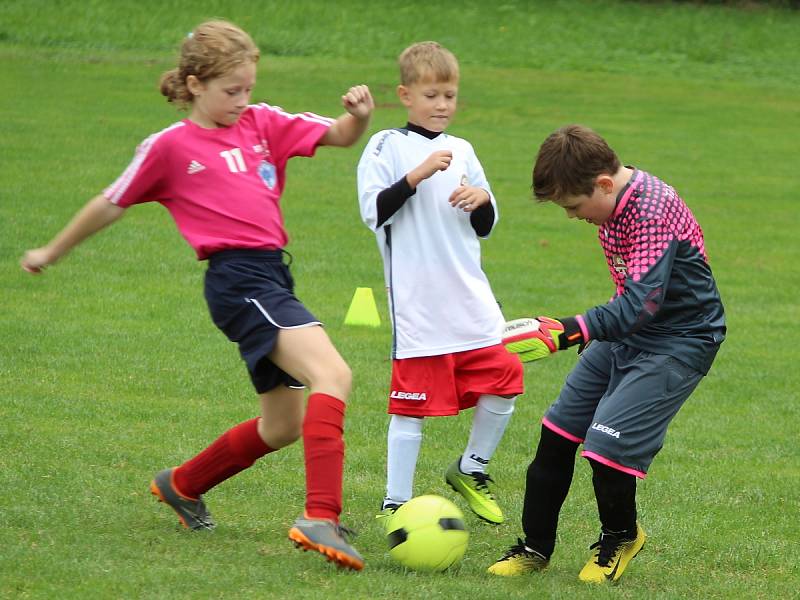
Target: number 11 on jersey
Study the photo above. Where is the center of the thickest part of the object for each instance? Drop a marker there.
(234, 159)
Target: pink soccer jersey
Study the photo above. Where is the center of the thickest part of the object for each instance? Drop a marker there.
(222, 186)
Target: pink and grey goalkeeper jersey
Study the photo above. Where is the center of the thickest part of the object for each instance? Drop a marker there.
(666, 300)
(222, 186)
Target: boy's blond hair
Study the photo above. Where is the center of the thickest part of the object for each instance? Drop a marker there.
(427, 60)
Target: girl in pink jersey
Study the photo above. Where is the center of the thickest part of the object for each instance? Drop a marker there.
(220, 173)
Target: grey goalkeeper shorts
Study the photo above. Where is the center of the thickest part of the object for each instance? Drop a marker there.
(618, 402)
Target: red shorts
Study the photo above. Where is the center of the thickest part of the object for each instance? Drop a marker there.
(442, 385)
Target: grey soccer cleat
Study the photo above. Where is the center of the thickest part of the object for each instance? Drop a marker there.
(327, 538)
(193, 514)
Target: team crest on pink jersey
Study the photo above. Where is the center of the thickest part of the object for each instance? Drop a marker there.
(268, 174)
(618, 263)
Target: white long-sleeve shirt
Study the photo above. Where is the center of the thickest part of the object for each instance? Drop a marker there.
(440, 300)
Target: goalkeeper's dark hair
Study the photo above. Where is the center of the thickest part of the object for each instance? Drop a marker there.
(569, 161)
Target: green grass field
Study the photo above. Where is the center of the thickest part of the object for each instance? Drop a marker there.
(110, 368)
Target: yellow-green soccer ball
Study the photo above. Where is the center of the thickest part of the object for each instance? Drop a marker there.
(427, 533)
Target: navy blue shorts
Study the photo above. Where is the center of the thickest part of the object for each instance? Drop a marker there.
(618, 401)
(250, 295)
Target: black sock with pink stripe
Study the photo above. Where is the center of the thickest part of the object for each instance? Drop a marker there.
(548, 481)
(616, 499)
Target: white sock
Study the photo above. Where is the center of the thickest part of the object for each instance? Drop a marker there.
(403, 443)
(492, 414)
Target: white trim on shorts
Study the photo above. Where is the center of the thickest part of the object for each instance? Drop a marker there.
(271, 320)
(264, 312)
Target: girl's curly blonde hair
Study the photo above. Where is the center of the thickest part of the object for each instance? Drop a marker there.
(213, 49)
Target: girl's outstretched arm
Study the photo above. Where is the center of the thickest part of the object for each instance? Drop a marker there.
(98, 213)
(350, 126)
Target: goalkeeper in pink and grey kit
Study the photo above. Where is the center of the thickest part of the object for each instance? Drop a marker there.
(651, 344)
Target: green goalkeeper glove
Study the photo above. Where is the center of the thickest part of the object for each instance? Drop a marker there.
(534, 339)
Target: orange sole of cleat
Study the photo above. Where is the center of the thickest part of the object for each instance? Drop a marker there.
(157, 493)
(341, 559)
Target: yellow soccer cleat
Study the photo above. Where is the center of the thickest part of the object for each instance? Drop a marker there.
(611, 556)
(384, 516)
(519, 560)
(474, 487)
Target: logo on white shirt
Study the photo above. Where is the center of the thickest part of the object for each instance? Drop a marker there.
(194, 167)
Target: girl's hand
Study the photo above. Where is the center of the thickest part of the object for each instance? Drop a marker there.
(35, 261)
(358, 102)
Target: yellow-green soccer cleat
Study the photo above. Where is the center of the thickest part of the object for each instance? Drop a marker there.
(611, 556)
(474, 487)
(519, 560)
(383, 517)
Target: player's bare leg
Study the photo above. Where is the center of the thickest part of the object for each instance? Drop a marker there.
(282, 411)
(308, 355)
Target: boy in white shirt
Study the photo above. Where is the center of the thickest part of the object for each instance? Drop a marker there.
(424, 194)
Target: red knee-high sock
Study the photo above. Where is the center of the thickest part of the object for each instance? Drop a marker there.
(233, 451)
(324, 453)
